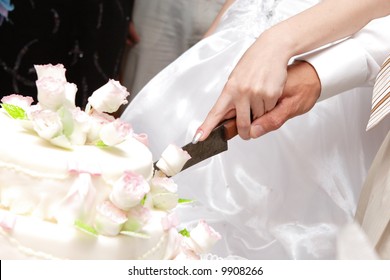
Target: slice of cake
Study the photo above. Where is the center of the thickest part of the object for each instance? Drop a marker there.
(81, 185)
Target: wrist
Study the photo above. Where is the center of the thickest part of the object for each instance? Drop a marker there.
(282, 47)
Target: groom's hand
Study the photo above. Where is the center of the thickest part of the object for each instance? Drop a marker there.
(300, 93)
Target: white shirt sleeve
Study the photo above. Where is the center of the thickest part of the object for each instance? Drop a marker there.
(353, 62)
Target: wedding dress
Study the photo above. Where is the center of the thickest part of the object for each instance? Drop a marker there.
(284, 195)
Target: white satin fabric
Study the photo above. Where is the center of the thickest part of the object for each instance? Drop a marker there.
(283, 196)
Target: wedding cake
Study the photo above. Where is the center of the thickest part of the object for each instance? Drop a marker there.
(80, 184)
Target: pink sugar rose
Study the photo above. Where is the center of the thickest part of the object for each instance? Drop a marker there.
(164, 193)
(170, 221)
(203, 237)
(51, 93)
(109, 97)
(163, 184)
(97, 120)
(23, 102)
(143, 138)
(129, 190)
(109, 219)
(115, 132)
(48, 70)
(172, 160)
(137, 217)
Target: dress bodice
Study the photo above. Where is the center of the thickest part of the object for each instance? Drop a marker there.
(251, 17)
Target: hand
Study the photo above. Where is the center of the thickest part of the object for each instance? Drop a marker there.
(253, 88)
(300, 94)
(301, 91)
(132, 36)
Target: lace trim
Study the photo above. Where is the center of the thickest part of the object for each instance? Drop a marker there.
(251, 17)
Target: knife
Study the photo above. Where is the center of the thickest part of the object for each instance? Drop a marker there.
(214, 144)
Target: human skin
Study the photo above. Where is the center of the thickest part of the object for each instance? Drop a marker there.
(255, 85)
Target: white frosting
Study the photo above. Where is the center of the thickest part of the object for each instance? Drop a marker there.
(37, 239)
(51, 201)
(35, 180)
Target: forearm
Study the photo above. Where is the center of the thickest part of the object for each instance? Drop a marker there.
(354, 62)
(326, 22)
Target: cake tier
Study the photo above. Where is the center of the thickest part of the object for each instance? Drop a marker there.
(32, 238)
(35, 177)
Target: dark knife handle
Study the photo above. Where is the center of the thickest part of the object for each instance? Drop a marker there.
(230, 128)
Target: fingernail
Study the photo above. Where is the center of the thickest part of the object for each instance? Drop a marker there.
(197, 136)
(257, 131)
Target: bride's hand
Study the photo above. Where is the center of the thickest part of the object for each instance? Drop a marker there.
(253, 88)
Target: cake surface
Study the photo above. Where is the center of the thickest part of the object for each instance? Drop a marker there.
(82, 185)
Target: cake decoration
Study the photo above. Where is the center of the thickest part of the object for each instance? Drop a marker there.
(56, 118)
(86, 172)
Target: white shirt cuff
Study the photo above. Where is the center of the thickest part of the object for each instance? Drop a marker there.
(340, 67)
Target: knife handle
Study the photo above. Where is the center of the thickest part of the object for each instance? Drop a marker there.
(230, 128)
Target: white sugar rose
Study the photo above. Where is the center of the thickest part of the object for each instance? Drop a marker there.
(48, 70)
(137, 217)
(164, 193)
(46, 123)
(97, 120)
(81, 126)
(23, 102)
(70, 95)
(202, 237)
(109, 97)
(51, 93)
(172, 160)
(109, 219)
(115, 132)
(129, 190)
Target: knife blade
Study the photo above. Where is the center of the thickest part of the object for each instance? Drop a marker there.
(214, 144)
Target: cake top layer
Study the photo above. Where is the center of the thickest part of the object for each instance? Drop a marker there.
(89, 140)
(22, 149)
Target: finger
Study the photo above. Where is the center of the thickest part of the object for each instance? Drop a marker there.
(257, 107)
(272, 120)
(220, 111)
(243, 119)
(270, 103)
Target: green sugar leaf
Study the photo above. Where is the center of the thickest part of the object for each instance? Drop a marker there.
(14, 111)
(185, 232)
(142, 202)
(85, 228)
(101, 144)
(184, 200)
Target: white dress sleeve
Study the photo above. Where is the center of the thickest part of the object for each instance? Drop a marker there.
(353, 62)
